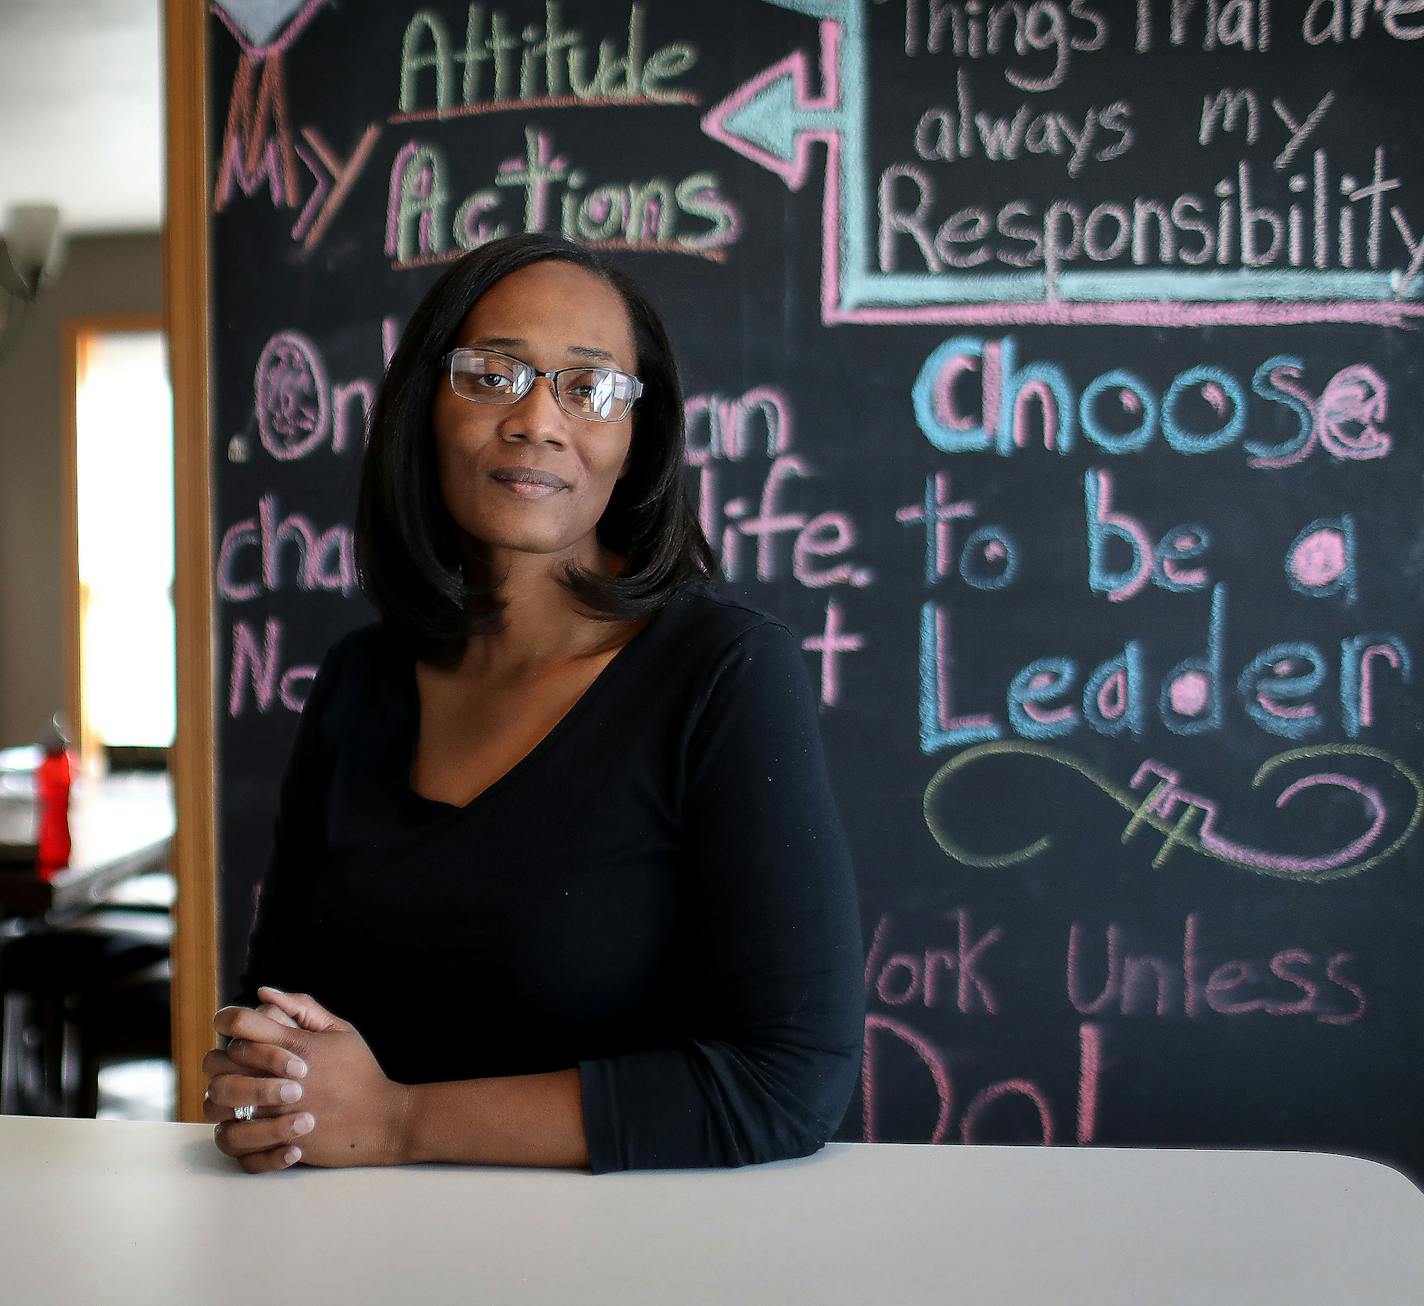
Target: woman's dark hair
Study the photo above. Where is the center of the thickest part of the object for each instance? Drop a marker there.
(408, 551)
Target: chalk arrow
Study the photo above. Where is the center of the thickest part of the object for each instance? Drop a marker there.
(773, 118)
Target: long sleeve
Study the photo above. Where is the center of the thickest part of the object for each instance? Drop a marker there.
(775, 1026)
(280, 944)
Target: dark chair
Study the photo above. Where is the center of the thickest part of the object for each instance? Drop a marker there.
(75, 997)
(126, 1020)
(82, 993)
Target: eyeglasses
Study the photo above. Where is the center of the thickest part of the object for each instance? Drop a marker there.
(597, 394)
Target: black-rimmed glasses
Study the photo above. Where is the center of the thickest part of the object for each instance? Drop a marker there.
(597, 394)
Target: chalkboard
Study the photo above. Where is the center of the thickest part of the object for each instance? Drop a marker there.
(1053, 373)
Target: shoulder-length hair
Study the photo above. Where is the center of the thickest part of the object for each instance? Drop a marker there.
(408, 555)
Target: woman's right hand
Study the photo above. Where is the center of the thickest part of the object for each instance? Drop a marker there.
(264, 1075)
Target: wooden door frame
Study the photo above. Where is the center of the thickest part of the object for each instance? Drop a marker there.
(187, 314)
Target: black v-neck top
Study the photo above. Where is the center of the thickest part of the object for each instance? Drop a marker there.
(659, 894)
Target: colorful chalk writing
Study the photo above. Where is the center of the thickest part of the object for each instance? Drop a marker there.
(259, 149)
(298, 409)
(253, 552)
(1119, 412)
(1113, 975)
(1188, 983)
(897, 250)
(728, 434)
(1190, 698)
(988, 557)
(257, 677)
(539, 189)
(1050, 370)
(507, 65)
(1172, 811)
(983, 1116)
(948, 977)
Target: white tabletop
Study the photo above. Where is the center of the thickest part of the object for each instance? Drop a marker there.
(128, 1212)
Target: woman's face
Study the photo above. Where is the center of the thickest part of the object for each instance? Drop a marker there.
(549, 315)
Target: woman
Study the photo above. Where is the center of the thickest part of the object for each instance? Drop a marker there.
(556, 839)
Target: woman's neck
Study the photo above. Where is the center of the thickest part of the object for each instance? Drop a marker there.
(541, 625)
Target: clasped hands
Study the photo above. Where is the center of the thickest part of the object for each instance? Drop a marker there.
(320, 1096)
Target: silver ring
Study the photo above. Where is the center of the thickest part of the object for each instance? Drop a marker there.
(244, 1112)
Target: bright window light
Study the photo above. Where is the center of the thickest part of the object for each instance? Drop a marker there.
(124, 465)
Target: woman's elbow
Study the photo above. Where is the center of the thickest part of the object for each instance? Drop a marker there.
(809, 1104)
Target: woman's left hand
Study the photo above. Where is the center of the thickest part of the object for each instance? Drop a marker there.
(360, 1114)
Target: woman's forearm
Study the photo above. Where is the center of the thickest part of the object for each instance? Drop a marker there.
(532, 1120)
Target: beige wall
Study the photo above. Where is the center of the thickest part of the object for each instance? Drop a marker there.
(102, 275)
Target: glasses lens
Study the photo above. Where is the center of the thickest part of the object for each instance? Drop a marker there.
(488, 378)
(597, 393)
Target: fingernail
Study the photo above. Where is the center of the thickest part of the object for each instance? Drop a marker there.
(292, 1155)
(291, 1092)
(303, 1124)
(297, 1069)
